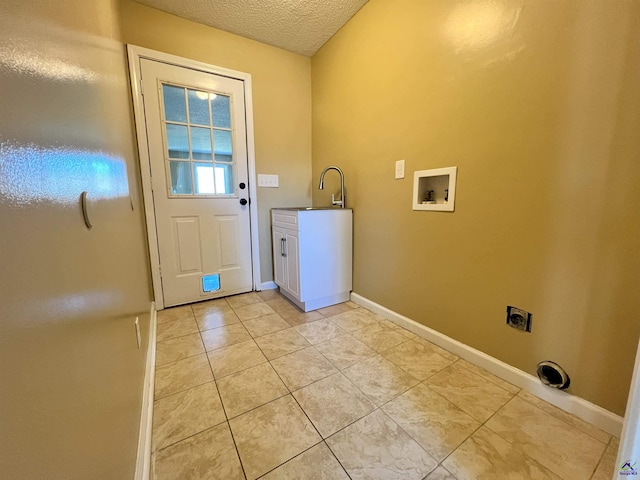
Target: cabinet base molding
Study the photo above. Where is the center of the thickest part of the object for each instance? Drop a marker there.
(317, 303)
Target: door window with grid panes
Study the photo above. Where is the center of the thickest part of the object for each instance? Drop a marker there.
(199, 142)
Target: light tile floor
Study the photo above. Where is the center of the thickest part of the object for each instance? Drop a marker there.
(251, 387)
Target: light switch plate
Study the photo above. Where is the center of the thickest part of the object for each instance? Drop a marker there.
(267, 181)
(400, 169)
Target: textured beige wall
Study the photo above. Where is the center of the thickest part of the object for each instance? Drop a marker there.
(281, 101)
(538, 105)
(71, 375)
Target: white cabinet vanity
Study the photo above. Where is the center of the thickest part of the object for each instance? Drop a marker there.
(312, 255)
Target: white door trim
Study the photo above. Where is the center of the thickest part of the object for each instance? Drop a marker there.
(135, 53)
(629, 450)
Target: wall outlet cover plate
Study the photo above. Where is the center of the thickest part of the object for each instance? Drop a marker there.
(519, 319)
(268, 180)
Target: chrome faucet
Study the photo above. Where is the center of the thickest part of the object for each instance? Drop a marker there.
(340, 202)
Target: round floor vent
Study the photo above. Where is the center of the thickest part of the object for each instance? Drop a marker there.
(553, 375)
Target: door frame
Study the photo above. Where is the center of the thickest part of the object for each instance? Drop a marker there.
(629, 450)
(136, 53)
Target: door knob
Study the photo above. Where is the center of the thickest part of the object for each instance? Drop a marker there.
(243, 201)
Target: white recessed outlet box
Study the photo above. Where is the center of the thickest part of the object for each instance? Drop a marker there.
(267, 181)
(435, 189)
(399, 169)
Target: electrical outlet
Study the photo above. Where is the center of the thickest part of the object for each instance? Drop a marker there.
(519, 319)
(400, 169)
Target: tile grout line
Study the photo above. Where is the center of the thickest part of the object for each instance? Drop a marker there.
(324, 440)
(462, 443)
(215, 379)
(179, 359)
(237, 371)
(396, 423)
(204, 347)
(560, 420)
(295, 456)
(289, 392)
(245, 369)
(176, 337)
(155, 399)
(420, 382)
(595, 469)
(524, 451)
(189, 436)
(224, 411)
(448, 401)
(336, 457)
(567, 423)
(482, 424)
(460, 360)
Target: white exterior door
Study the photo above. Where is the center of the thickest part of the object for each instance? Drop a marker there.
(196, 131)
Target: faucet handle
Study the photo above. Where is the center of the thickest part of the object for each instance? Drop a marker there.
(334, 201)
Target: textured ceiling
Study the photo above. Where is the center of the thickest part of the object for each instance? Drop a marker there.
(300, 26)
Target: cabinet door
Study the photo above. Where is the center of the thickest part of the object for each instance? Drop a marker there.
(279, 265)
(293, 263)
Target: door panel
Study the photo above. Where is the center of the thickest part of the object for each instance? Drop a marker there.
(293, 277)
(197, 146)
(228, 228)
(188, 245)
(279, 266)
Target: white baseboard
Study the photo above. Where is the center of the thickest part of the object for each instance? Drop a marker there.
(598, 416)
(267, 286)
(143, 461)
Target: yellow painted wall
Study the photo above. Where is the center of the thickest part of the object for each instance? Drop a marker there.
(71, 375)
(281, 101)
(538, 105)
